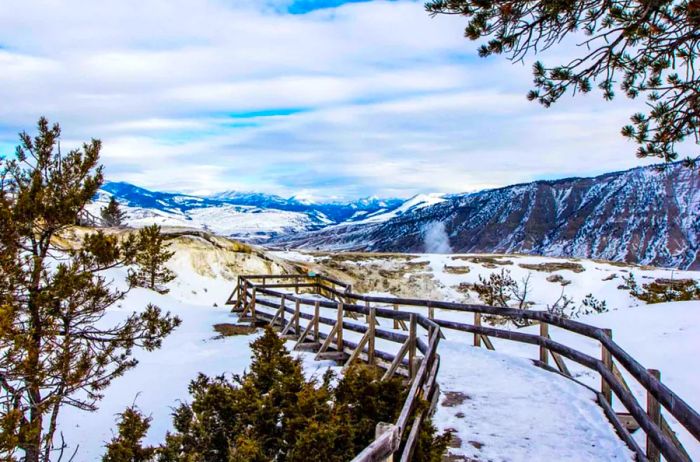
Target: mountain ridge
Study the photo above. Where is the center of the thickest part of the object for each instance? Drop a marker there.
(243, 215)
(641, 215)
(637, 216)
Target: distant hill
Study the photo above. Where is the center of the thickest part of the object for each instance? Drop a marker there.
(637, 216)
(246, 216)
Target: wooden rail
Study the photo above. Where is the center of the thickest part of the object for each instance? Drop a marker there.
(266, 290)
(86, 218)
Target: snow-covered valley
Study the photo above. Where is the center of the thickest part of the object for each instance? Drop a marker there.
(662, 336)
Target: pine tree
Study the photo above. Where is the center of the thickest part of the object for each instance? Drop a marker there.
(273, 413)
(642, 47)
(112, 215)
(127, 446)
(54, 351)
(151, 258)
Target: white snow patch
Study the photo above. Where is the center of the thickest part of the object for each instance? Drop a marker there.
(514, 411)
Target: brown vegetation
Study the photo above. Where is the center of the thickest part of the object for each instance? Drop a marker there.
(230, 330)
(550, 267)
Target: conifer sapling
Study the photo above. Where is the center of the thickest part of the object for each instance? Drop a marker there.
(111, 214)
(151, 258)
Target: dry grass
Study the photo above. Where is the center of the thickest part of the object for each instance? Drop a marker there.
(230, 330)
(550, 267)
(398, 274)
(485, 260)
(456, 269)
(464, 288)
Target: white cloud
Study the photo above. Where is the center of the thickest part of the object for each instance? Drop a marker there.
(368, 98)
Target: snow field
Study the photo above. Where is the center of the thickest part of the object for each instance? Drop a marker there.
(660, 336)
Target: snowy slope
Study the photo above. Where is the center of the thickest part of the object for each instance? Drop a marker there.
(662, 336)
(206, 272)
(447, 277)
(413, 204)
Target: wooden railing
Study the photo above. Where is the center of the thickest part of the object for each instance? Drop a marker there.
(86, 218)
(269, 291)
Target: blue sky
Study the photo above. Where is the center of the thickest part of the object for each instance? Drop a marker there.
(319, 99)
(306, 6)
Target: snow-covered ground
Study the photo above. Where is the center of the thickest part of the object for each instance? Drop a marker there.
(160, 380)
(503, 408)
(447, 272)
(506, 417)
(661, 336)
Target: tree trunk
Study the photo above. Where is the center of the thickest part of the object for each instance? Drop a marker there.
(32, 447)
(31, 455)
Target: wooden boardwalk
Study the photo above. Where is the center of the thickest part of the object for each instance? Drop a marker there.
(402, 336)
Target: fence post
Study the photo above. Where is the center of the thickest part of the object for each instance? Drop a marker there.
(317, 313)
(544, 333)
(339, 321)
(396, 321)
(431, 311)
(370, 340)
(654, 412)
(412, 347)
(252, 305)
(477, 322)
(282, 309)
(379, 430)
(238, 291)
(297, 312)
(368, 309)
(245, 295)
(606, 357)
(318, 284)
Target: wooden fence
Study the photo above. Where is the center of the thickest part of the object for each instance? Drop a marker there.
(86, 218)
(419, 361)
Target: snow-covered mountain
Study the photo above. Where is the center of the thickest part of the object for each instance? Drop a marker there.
(246, 216)
(641, 215)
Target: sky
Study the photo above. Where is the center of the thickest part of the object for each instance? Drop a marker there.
(318, 99)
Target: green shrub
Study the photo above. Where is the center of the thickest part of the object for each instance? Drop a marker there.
(273, 413)
(663, 290)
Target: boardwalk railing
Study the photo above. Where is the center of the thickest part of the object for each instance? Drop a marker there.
(287, 294)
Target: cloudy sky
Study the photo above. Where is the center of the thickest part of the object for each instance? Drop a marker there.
(320, 99)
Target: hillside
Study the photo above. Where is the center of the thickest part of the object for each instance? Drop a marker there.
(245, 216)
(638, 216)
